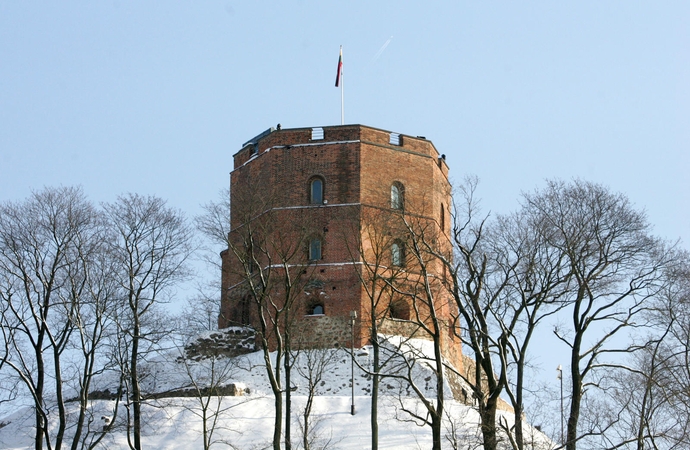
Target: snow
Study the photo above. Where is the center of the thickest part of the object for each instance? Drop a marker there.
(247, 424)
(247, 421)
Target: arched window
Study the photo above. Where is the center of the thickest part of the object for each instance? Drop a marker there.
(317, 310)
(241, 310)
(315, 249)
(397, 195)
(316, 191)
(397, 254)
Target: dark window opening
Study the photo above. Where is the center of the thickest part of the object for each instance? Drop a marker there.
(397, 196)
(317, 310)
(316, 191)
(398, 254)
(399, 310)
(315, 249)
(241, 310)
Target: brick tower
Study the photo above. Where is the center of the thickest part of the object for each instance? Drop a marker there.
(304, 202)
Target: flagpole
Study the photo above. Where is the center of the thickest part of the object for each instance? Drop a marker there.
(342, 93)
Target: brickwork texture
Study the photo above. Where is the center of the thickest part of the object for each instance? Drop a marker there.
(271, 202)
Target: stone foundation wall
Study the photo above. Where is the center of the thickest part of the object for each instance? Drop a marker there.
(321, 331)
(402, 328)
(229, 390)
(231, 341)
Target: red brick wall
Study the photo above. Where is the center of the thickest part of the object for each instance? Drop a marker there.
(358, 165)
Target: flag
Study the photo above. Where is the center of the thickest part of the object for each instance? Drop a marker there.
(340, 68)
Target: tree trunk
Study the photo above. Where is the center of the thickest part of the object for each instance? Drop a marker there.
(62, 415)
(375, 380)
(305, 435)
(278, 421)
(519, 436)
(41, 425)
(204, 419)
(436, 432)
(307, 413)
(136, 393)
(84, 395)
(488, 416)
(575, 398)
(437, 414)
(288, 399)
(274, 379)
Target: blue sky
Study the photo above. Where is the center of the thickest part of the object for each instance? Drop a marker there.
(155, 97)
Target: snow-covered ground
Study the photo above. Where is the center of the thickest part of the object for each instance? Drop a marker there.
(248, 424)
(246, 421)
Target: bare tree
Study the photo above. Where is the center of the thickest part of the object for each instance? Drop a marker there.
(93, 294)
(422, 289)
(531, 278)
(615, 266)
(642, 420)
(401, 276)
(214, 224)
(42, 241)
(313, 362)
(200, 312)
(152, 245)
(209, 381)
(655, 414)
(376, 274)
(672, 379)
(505, 280)
(477, 286)
(270, 270)
(574, 246)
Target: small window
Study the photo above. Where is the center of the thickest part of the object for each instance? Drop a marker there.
(316, 134)
(315, 249)
(317, 310)
(398, 254)
(316, 191)
(399, 310)
(394, 139)
(397, 196)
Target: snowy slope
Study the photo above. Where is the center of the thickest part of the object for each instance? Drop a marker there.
(247, 421)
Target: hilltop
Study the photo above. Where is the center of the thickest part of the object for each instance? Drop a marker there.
(172, 417)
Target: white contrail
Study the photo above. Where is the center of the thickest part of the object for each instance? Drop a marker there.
(383, 47)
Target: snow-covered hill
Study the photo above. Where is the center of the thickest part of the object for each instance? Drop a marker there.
(246, 421)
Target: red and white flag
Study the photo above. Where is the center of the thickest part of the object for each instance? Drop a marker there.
(340, 68)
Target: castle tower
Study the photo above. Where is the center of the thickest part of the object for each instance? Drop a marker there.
(302, 204)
